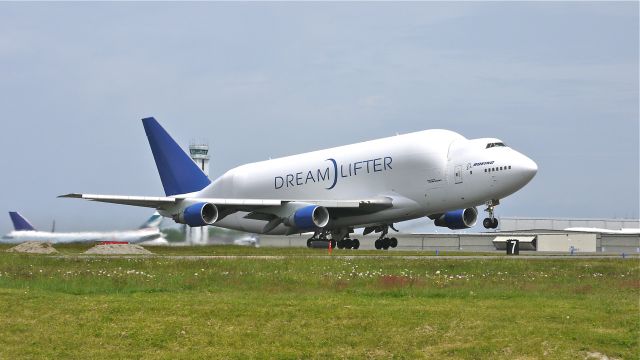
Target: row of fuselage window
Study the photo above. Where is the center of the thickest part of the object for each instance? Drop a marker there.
(498, 168)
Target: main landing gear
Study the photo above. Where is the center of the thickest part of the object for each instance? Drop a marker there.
(344, 242)
(320, 240)
(491, 222)
(384, 242)
(347, 243)
(340, 238)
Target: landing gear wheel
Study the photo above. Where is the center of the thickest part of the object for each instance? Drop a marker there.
(309, 241)
(491, 222)
(356, 244)
(378, 244)
(385, 243)
(393, 242)
(340, 244)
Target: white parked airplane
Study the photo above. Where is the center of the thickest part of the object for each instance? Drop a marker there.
(148, 233)
(247, 240)
(627, 231)
(371, 185)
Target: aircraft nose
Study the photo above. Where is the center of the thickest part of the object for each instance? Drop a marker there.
(528, 168)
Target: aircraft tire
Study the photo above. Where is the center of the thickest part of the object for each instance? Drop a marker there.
(340, 244)
(487, 223)
(349, 244)
(378, 244)
(393, 242)
(356, 244)
(494, 224)
(309, 242)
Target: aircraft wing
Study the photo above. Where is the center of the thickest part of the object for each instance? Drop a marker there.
(143, 201)
(233, 204)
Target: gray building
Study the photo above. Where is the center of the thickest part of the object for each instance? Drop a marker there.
(560, 224)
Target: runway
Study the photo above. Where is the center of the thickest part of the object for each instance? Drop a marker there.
(353, 257)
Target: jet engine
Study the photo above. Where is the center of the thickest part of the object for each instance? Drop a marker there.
(309, 217)
(200, 214)
(458, 219)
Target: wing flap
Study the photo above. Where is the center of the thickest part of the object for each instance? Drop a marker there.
(239, 202)
(382, 202)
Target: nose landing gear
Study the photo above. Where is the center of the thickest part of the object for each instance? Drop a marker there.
(491, 222)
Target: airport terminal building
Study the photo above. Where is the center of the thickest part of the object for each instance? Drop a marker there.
(560, 224)
(549, 235)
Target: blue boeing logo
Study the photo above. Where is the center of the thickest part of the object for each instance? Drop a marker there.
(332, 172)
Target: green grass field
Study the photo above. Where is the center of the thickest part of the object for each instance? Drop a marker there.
(315, 307)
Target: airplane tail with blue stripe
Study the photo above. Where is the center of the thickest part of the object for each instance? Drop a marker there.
(153, 222)
(19, 222)
(178, 172)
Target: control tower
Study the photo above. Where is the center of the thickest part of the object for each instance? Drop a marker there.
(200, 155)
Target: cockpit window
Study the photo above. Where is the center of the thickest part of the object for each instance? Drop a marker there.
(490, 145)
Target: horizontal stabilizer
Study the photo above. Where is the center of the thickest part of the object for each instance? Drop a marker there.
(19, 222)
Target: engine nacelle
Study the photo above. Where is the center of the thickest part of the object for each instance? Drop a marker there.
(309, 217)
(458, 219)
(200, 214)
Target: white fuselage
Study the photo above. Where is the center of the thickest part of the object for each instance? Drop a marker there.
(132, 236)
(424, 173)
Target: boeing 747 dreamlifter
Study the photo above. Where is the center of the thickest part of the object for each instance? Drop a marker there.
(372, 185)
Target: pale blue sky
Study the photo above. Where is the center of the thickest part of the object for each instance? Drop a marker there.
(557, 81)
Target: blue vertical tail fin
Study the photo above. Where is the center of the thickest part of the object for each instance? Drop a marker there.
(19, 222)
(179, 174)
